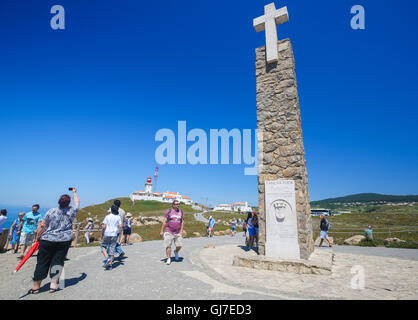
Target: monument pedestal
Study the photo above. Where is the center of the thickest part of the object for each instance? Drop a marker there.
(320, 262)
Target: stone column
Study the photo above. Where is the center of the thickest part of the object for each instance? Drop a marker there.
(281, 152)
(3, 239)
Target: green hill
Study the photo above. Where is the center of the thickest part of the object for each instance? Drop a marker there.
(140, 208)
(366, 198)
(145, 209)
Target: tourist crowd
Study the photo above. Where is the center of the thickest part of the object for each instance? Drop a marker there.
(54, 233)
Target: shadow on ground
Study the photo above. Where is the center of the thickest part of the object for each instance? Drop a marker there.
(67, 283)
(246, 248)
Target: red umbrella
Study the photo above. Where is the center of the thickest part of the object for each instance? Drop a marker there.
(31, 251)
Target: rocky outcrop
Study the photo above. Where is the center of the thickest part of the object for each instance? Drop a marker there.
(147, 221)
(354, 240)
(388, 241)
(135, 238)
(3, 239)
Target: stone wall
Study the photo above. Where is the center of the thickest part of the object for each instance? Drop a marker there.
(281, 154)
(3, 239)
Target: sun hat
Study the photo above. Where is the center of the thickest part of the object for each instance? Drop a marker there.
(128, 214)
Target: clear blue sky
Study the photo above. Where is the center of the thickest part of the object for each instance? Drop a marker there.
(81, 106)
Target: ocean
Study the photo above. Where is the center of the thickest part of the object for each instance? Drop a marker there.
(13, 213)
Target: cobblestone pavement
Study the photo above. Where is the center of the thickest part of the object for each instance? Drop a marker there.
(384, 277)
(409, 254)
(207, 273)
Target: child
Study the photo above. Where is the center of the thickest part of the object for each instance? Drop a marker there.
(89, 227)
(244, 228)
(211, 226)
(127, 228)
(233, 223)
(14, 232)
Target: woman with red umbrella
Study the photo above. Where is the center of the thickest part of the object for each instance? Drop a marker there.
(54, 234)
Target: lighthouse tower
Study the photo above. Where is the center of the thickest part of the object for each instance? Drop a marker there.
(148, 186)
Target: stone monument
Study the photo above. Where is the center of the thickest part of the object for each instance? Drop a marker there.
(285, 223)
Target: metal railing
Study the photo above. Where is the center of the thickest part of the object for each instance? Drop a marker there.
(389, 230)
(77, 229)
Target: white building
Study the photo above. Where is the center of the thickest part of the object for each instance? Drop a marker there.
(241, 206)
(168, 197)
(235, 207)
(223, 207)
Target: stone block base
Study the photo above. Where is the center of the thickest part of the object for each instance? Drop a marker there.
(320, 262)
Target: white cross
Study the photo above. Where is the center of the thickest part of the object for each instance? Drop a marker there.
(271, 18)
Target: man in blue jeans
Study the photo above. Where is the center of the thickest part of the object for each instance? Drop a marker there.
(112, 226)
(122, 215)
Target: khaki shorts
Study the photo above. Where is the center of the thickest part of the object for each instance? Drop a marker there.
(169, 238)
(26, 238)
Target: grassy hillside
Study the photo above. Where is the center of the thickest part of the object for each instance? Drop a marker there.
(142, 208)
(366, 197)
(378, 216)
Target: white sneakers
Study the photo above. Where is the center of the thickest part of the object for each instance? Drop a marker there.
(176, 254)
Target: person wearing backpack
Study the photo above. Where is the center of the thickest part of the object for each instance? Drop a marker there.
(211, 226)
(127, 229)
(173, 225)
(324, 226)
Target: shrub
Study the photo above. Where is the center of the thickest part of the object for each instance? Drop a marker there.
(371, 243)
(405, 245)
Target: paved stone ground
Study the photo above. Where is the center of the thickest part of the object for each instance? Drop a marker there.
(199, 217)
(207, 273)
(385, 277)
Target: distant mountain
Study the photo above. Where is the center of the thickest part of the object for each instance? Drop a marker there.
(367, 197)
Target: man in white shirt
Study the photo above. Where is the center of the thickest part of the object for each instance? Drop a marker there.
(122, 215)
(3, 218)
(3, 239)
(112, 226)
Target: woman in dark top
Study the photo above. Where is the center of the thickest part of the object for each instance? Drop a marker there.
(54, 233)
(255, 222)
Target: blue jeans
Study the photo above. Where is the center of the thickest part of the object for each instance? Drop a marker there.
(109, 244)
(118, 248)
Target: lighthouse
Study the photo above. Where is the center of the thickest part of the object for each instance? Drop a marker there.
(148, 186)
